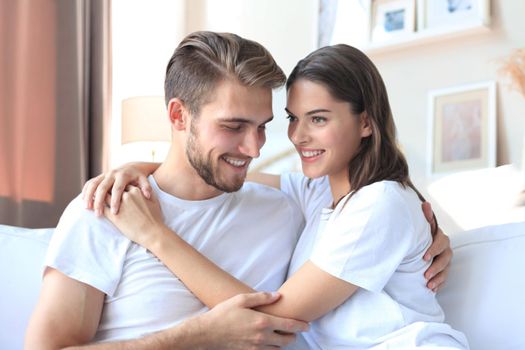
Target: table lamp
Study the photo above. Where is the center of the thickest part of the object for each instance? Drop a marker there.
(145, 119)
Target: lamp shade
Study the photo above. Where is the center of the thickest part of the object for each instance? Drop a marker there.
(144, 118)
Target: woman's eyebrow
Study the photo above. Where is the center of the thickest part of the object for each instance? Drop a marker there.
(314, 111)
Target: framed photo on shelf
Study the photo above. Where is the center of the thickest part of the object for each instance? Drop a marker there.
(462, 128)
(448, 13)
(392, 18)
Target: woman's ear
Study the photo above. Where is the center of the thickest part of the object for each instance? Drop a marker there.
(178, 114)
(366, 126)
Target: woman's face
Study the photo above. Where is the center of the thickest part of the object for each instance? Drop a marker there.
(324, 130)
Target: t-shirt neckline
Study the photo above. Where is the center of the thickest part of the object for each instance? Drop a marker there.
(169, 198)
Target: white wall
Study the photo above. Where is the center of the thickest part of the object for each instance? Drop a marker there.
(144, 36)
(145, 33)
(411, 72)
(288, 29)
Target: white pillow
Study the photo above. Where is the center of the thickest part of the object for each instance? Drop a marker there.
(22, 253)
(479, 198)
(484, 296)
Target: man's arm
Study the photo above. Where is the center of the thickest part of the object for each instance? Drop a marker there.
(440, 252)
(68, 314)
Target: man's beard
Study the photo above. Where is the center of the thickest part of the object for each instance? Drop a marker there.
(204, 165)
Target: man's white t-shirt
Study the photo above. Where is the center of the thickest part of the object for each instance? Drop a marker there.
(376, 241)
(250, 233)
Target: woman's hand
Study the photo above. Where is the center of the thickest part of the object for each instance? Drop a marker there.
(95, 190)
(440, 251)
(140, 219)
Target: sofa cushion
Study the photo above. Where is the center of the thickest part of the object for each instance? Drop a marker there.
(22, 253)
(479, 198)
(484, 294)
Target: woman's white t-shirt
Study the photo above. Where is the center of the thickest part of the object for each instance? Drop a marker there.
(376, 241)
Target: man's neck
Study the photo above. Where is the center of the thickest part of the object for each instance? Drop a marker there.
(178, 178)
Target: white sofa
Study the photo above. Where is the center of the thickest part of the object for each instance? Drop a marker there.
(484, 296)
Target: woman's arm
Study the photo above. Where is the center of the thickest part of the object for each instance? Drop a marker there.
(307, 295)
(96, 189)
(265, 179)
(115, 182)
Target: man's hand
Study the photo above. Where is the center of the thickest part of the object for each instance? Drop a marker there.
(440, 251)
(232, 324)
(115, 182)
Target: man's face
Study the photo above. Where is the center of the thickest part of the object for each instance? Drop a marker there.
(228, 133)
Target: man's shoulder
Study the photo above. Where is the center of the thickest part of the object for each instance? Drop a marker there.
(256, 189)
(265, 197)
(87, 248)
(263, 194)
(77, 212)
(77, 219)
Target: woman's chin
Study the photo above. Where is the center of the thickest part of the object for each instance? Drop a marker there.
(311, 173)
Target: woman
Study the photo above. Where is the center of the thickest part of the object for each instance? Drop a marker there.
(357, 271)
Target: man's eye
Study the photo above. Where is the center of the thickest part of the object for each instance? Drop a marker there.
(232, 127)
(291, 118)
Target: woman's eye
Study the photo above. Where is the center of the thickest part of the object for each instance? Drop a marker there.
(291, 118)
(317, 120)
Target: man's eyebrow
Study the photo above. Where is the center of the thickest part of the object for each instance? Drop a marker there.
(243, 120)
(314, 111)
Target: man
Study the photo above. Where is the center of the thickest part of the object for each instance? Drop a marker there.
(99, 286)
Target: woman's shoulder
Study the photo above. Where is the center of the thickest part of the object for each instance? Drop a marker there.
(381, 197)
(382, 191)
(297, 179)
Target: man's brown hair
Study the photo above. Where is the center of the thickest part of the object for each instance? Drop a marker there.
(203, 59)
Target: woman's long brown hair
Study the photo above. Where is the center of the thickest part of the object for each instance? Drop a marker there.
(350, 76)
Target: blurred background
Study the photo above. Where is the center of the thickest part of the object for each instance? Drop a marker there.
(81, 85)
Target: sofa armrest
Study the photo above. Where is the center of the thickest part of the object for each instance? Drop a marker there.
(22, 253)
(484, 296)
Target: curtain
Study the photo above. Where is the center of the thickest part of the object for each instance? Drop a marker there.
(54, 104)
(327, 18)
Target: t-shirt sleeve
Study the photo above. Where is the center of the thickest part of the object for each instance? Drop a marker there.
(88, 248)
(309, 194)
(367, 239)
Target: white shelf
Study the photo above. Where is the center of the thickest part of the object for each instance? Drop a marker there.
(426, 36)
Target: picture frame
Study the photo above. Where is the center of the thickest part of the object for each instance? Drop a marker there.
(391, 19)
(461, 128)
(452, 13)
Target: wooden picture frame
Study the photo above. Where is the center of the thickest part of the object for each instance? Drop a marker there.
(452, 13)
(392, 19)
(462, 128)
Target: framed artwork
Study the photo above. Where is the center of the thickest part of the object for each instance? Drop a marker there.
(462, 128)
(392, 18)
(442, 13)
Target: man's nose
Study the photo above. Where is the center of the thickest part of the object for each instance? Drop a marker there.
(252, 143)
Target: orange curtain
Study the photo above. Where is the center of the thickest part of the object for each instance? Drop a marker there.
(54, 66)
(28, 98)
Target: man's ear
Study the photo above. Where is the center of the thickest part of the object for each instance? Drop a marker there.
(178, 114)
(366, 126)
